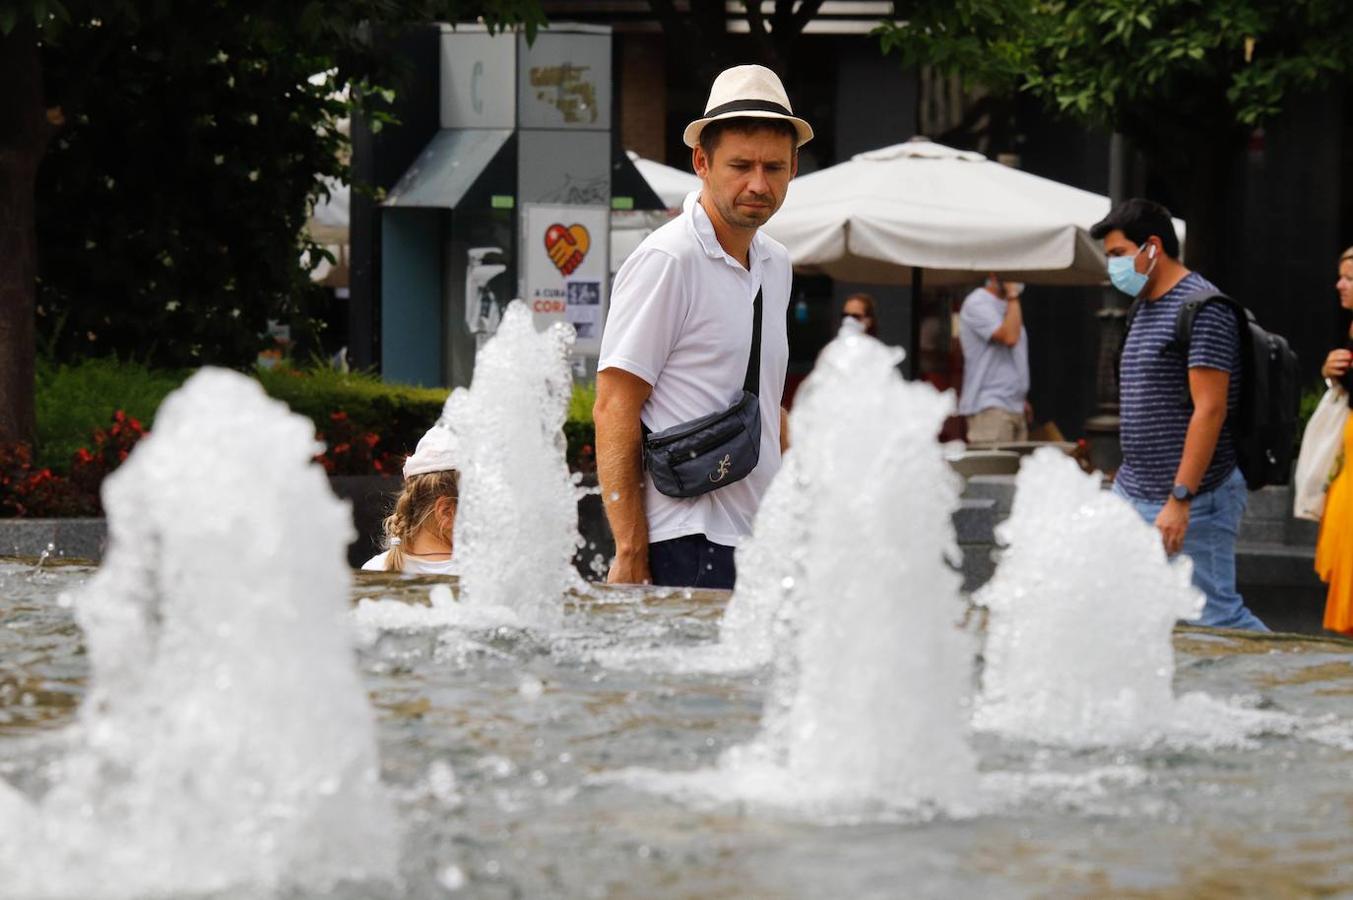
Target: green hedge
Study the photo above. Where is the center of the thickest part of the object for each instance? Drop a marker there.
(73, 400)
(399, 414)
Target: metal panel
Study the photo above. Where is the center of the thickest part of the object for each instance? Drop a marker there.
(564, 81)
(447, 168)
(478, 78)
(572, 167)
(411, 296)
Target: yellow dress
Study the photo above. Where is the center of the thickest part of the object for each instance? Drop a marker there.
(1334, 550)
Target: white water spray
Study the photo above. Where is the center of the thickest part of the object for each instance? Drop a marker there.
(1082, 609)
(517, 522)
(226, 743)
(868, 707)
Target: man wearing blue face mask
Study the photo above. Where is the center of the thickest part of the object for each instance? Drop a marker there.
(1179, 455)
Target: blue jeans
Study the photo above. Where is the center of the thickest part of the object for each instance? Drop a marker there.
(691, 561)
(1214, 522)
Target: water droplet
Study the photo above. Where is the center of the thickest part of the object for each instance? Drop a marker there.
(442, 781)
(530, 687)
(451, 878)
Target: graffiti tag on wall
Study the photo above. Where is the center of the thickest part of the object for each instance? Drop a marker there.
(564, 88)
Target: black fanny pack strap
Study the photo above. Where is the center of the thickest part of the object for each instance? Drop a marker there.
(751, 383)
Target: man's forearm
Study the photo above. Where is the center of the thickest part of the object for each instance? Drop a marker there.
(1011, 326)
(1200, 443)
(1014, 317)
(621, 479)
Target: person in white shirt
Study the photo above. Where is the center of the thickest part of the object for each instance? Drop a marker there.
(418, 534)
(678, 337)
(995, 345)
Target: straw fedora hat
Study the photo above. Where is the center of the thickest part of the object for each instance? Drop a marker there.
(753, 92)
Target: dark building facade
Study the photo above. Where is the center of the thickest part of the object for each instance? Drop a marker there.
(1289, 209)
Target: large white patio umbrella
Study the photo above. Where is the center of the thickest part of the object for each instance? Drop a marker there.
(670, 184)
(954, 214)
(629, 228)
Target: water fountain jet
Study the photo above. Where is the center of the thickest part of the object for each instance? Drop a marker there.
(1082, 611)
(868, 708)
(226, 743)
(517, 523)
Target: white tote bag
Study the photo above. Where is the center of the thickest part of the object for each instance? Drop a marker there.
(1321, 446)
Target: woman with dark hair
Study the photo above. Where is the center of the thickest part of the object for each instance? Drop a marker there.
(1334, 550)
(860, 307)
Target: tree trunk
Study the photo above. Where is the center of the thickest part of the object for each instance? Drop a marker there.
(24, 132)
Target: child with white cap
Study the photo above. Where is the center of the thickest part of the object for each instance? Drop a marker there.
(418, 534)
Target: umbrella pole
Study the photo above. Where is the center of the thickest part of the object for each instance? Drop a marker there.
(914, 338)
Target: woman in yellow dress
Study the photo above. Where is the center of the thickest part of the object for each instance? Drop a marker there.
(1334, 550)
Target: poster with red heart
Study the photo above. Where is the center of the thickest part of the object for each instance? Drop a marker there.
(566, 276)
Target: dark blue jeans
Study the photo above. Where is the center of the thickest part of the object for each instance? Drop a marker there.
(691, 561)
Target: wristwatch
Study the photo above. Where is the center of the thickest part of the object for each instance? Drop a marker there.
(1182, 493)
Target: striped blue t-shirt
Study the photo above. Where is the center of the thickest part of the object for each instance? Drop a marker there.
(1154, 410)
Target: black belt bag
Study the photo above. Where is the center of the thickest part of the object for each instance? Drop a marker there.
(713, 451)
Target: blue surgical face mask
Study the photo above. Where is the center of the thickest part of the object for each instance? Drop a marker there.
(1123, 272)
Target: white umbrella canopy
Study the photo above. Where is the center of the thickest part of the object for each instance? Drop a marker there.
(670, 184)
(952, 213)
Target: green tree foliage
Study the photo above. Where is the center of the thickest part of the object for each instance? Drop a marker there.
(1183, 79)
(170, 213)
(174, 150)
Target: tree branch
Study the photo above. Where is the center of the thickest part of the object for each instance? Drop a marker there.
(761, 37)
(807, 12)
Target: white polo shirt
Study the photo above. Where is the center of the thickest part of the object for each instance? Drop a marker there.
(681, 319)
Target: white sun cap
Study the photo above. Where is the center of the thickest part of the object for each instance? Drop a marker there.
(753, 92)
(437, 451)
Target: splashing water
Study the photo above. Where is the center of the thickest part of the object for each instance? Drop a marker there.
(868, 707)
(1082, 609)
(226, 743)
(517, 523)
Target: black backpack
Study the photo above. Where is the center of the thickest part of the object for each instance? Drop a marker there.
(1264, 425)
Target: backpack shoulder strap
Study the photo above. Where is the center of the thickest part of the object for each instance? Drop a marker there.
(1193, 304)
(1132, 313)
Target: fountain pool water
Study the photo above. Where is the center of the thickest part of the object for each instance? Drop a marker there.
(496, 747)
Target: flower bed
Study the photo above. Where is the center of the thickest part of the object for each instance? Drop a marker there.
(90, 416)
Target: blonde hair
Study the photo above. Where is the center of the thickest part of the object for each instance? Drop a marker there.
(414, 510)
(1345, 256)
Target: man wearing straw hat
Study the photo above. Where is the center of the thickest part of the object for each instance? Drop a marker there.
(679, 343)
